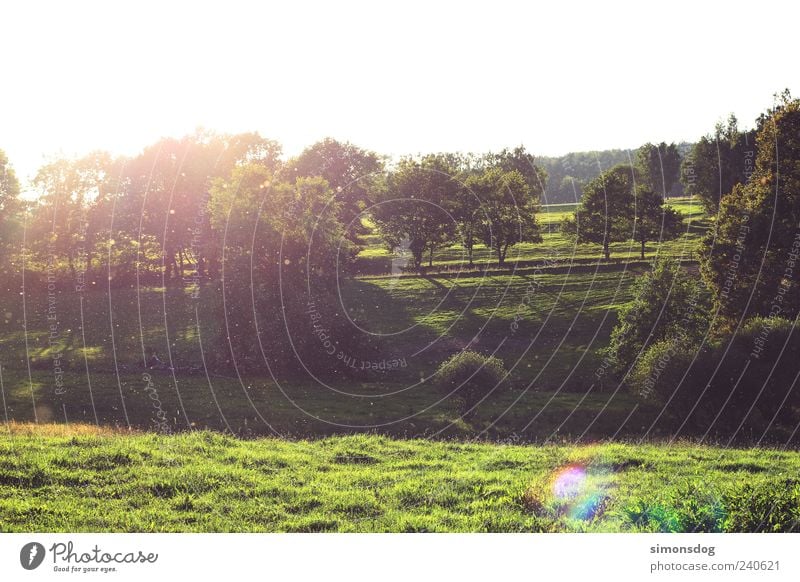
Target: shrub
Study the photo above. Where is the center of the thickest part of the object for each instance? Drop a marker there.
(667, 303)
(742, 385)
(471, 375)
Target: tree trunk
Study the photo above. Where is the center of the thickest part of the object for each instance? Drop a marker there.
(430, 257)
(417, 259)
(642, 249)
(606, 250)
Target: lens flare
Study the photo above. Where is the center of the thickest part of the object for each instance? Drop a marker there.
(568, 482)
(579, 491)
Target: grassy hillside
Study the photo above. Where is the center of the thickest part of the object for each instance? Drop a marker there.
(547, 319)
(81, 479)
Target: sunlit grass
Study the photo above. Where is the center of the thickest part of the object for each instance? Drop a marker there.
(58, 479)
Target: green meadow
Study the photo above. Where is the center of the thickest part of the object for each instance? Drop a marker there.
(96, 442)
(85, 479)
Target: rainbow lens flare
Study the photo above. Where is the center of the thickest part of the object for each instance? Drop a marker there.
(568, 481)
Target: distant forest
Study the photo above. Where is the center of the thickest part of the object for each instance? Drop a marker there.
(568, 174)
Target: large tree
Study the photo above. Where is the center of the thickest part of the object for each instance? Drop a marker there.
(653, 220)
(750, 258)
(9, 191)
(413, 209)
(281, 245)
(617, 206)
(508, 210)
(350, 171)
(604, 214)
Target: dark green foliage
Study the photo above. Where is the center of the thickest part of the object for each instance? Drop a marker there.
(717, 162)
(750, 260)
(660, 165)
(9, 191)
(569, 174)
(413, 212)
(741, 386)
(278, 308)
(668, 303)
(618, 206)
(470, 375)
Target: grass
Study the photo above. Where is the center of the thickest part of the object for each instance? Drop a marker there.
(547, 321)
(51, 481)
(94, 441)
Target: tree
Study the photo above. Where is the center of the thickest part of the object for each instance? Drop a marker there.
(9, 192)
(281, 245)
(717, 162)
(617, 206)
(604, 214)
(749, 259)
(667, 303)
(508, 208)
(349, 170)
(660, 165)
(66, 223)
(653, 220)
(414, 206)
(521, 161)
(168, 190)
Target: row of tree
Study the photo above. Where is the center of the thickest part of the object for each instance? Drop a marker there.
(154, 207)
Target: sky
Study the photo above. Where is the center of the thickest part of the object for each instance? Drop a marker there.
(398, 77)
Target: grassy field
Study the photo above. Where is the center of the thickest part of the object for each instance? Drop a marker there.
(84, 479)
(548, 322)
(95, 441)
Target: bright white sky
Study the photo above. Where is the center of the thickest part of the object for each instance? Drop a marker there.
(398, 77)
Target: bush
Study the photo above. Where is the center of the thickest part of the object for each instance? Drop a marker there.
(667, 303)
(470, 374)
(740, 386)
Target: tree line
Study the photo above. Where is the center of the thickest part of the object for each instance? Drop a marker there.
(719, 352)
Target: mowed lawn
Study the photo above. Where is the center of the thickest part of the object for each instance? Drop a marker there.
(60, 478)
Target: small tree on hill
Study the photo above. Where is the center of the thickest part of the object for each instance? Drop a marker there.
(604, 215)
